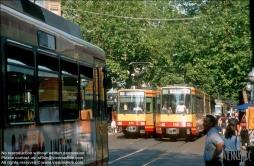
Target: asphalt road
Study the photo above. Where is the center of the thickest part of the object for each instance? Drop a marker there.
(152, 152)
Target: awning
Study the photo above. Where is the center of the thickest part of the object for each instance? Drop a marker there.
(243, 106)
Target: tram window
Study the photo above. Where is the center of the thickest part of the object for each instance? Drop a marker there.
(69, 68)
(86, 71)
(158, 107)
(20, 56)
(154, 104)
(86, 88)
(193, 104)
(47, 62)
(20, 91)
(48, 81)
(48, 97)
(69, 90)
(46, 40)
(207, 107)
(149, 105)
(199, 105)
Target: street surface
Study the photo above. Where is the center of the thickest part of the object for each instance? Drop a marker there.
(152, 152)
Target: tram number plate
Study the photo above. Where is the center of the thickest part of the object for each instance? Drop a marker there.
(176, 124)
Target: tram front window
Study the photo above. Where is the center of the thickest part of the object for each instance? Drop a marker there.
(217, 110)
(176, 104)
(131, 103)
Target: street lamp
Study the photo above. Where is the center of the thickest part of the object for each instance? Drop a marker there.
(251, 75)
(249, 86)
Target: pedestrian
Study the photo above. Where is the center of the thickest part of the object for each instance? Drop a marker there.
(213, 144)
(223, 123)
(237, 115)
(234, 120)
(244, 132)
(113, 125)
(232, 151)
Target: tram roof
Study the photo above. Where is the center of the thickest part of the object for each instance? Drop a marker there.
(44, 15)
(46, 19)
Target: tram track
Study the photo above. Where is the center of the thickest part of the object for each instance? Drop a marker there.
(165, 153)
(171, 150)
(154, 158)
(128, 143)
(130, 154)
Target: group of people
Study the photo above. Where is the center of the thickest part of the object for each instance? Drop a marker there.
(180, 109)
(241, 127)
(227, 145)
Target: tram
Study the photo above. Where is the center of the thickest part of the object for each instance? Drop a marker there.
(180, 111)
(111, 104)
(53, 97)
(136, 112)
(220, 108)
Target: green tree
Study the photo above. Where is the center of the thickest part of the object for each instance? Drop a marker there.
(211, 50)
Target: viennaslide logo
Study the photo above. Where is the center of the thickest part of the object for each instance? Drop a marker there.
(238, 155)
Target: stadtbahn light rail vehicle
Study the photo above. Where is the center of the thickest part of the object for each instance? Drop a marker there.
(136, 112)
(220, 108)
(52, 90)
(174, 124)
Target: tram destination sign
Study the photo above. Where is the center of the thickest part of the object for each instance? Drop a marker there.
(121, 93)
(176, 91)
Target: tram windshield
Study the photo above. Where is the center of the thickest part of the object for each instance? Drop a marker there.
(176, 101)
(111, 97)
(218, 110)
(131, 102)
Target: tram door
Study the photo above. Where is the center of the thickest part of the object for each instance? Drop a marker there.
(101, 118)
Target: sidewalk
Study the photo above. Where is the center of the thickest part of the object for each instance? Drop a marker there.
(193, 155)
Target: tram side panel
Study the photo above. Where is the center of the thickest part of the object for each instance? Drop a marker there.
(74, 136)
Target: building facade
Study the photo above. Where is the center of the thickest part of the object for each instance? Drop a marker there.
(51, 5)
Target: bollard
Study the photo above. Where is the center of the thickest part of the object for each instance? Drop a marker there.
(250, 156)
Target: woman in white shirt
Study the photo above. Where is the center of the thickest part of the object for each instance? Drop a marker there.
(231, 155)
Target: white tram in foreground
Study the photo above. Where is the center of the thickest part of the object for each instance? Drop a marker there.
(52, 90)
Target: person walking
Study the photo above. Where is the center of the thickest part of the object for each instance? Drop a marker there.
(232, 148)
(213, 144)
(113, 126)
(234, 120)
(223, 123)
(244, 132)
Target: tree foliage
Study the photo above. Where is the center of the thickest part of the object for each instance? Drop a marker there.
(212, 50)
